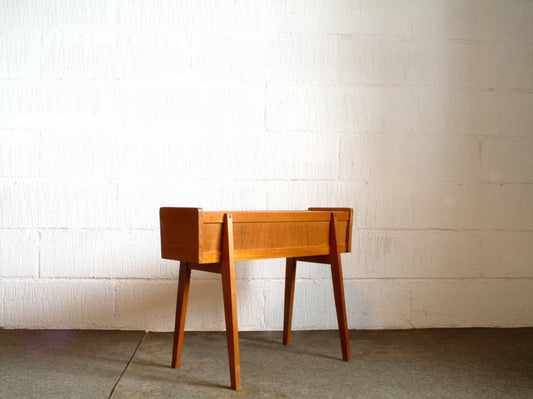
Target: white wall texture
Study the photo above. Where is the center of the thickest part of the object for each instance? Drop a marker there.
(416, 113)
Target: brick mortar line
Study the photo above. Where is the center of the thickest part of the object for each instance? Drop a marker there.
(314, 279)
(356, 228)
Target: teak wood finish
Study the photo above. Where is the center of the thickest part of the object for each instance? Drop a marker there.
(214, 241)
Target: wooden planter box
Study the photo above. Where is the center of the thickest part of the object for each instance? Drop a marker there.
(192, 235)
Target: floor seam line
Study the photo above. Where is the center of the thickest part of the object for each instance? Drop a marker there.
(127, 365)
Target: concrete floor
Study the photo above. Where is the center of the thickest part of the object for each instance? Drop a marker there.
(441, 363)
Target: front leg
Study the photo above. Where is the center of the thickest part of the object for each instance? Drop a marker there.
(290, 279)
(230, 302)
(181, 310)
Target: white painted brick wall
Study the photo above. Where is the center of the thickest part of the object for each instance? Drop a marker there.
(19, 253)
(416, 113)
(58, 303)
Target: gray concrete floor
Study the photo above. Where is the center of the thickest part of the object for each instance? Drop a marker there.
(438, 363)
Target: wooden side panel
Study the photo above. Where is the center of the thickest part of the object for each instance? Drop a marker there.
(261, 235)
(181, 234)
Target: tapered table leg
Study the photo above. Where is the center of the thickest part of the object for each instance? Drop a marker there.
(181, 310)
(338, 291)
(290, 279)
(230, 303)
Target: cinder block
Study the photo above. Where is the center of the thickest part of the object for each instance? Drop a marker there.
(517, 118)
(376, 18)
(493, 21)
(452, 112)
(301, 107)
(20, 15)
(455, 206)
(379, 205)
(445, 159)
(105, 152)
(78, 204)
(506, 65)
(191, 107)
(385, 157)
(506, 207)
(19, 253)
(20, 55)
(76, 304)
(211, 16)
(55, 204)
(139, 201)
(230, 57)
(155, 56)
(104, 254)
(114, 55)
(138, 14)
(345, 17)
(453, 64)
(507, 160)
(444, 206)
(428, 205)
(260, 57)
(53, 14)
(227, 156)
(507, 254)
(12, 214)
(76, 153)
(378, 304)
(378, 60)
(74, 55)
(376, 157)
(265, 156)
(345, 109)
(414, 254)
(378, 110)
(279, 156)
(471, 303)
(19, 152)
(66, 15)
(42, 103)
(146, 305)
(483, 65)
(303, 57)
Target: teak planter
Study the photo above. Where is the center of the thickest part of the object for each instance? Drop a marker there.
(214, 241)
